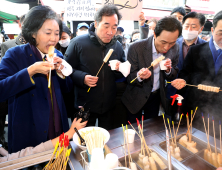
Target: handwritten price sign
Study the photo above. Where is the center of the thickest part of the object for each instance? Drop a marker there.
(130, 9)
(80, 10)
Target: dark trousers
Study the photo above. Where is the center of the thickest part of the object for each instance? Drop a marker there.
(105, 120)
(151, 108)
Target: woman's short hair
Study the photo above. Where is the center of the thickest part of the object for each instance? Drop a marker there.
(34, 20)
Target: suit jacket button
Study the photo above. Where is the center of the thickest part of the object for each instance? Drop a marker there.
(30, 55)
(32, 95)
(146, 97)
(45, 131)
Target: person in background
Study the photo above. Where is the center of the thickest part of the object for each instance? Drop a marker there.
(179, 13)
(36, 113)
(82, 28)
(17, 41)
(202, 65)
(119, 35)
(206, 32)
(135, 37)
(85, 54)
(64, 39)
(48, 145)
(193, 24)
(148, 90)
(69, 98)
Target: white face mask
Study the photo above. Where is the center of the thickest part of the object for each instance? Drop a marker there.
(151, 32)
(82, 32)
(64, 43)
(189, 35)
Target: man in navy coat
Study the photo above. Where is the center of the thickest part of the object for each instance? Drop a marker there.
(193, 24)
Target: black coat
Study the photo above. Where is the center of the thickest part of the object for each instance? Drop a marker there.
(85, 54)
(199, 68)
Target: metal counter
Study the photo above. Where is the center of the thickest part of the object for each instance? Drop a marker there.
(154, 133)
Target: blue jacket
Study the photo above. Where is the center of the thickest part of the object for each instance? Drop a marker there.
(29, 109)
(170, 89)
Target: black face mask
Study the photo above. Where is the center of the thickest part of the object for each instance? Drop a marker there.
(120, 38)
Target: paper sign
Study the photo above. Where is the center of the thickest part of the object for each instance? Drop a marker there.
(80, 10)
(130, 9)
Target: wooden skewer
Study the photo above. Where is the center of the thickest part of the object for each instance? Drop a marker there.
(190, 85)
(190, 128)
(104, 61)
(129, 155)
(178, 126)
(170, 131)
(191, 131)
(220, 136)
(209, 128)
(124, 145)
(186, 84)
(174, 134)
(139, 75)
(215, 145)
(164, 121)
(208, 144)
(192, 120)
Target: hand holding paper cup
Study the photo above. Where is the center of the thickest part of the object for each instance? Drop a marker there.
(162, 66)
(113, 64)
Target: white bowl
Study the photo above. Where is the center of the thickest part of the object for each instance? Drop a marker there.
(76, 137)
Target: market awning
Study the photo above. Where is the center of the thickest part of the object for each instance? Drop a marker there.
(7, 18)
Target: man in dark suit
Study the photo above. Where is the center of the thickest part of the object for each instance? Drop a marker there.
(12, 43)
(148, 90)
(193, 24)
(202, 65)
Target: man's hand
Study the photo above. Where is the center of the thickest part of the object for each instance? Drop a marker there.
(90, 80)
(146, 73)
(178, 83)
(168, 64)
(142, 19)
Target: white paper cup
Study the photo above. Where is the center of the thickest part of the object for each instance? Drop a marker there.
(111, 161)
(113, 64)
(131, 135)
(97, 159)
(162, 66)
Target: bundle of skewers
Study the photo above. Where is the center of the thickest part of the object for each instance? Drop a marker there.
(205, 87)
(153, 64)
(213, 158)
(147, 159)
(174, 149)
(50, 59)
(61, 152)
(94, 139)
(186, 140)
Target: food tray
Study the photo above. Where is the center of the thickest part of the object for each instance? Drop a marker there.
(187, 155)
(184, 153)
(196, 163)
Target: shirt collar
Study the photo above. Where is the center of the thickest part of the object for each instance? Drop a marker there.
(195, 42)
(154, 48)
(43, 55)
(216, 46)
